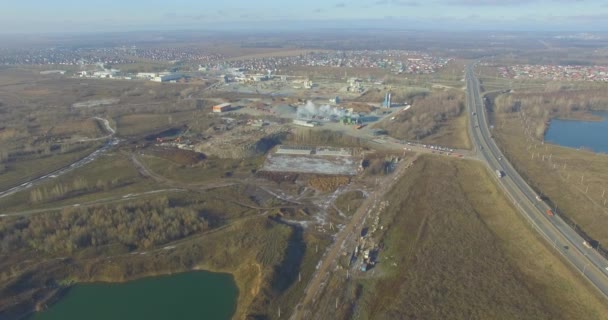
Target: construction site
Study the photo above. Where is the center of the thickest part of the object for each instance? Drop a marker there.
(314, 160)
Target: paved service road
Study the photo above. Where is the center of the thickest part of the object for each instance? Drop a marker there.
(563, 238)
(111, 142)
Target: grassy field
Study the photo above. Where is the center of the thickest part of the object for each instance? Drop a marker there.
(349, 202)
(24, 170)
(206, 170)
(142, 123)
(453, 134)
(112, 175)
(563, 179)
(455, 248)
(437, 118)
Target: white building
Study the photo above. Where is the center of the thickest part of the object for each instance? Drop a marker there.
(168, 77)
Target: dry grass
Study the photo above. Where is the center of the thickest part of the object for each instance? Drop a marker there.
(113, 173)
(205, 170)
(548, 277)
(560, 178)
(26, 169)
(448, 263)
(349, 202)
(456, 249)
(453, 134)
(87, 128)
(328, 183)
(142, 123)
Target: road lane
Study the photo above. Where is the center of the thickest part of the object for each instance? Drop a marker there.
(553, 228)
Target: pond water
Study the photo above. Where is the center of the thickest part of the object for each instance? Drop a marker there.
(580, 134)
(193, 295)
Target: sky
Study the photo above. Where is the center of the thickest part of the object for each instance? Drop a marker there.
(41, 16)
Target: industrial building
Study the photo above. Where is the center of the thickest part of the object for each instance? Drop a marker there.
(387, 101)
(334, 152)
(295, 150)
(304, 123)
(224, 107)
(167, 77)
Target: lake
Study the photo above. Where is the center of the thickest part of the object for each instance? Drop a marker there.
(576, 134)
(192, 295)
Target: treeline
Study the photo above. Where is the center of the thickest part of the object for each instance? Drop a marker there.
(540, 107)
(425, 116)
(78, 186)
(136, 225)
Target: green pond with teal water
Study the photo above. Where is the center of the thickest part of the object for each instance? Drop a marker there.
(192, 295)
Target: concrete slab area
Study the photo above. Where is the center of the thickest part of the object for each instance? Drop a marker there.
(312, 164)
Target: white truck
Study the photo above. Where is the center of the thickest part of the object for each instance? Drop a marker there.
(499, 173)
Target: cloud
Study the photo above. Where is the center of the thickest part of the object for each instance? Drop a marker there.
(173, 15)
(196, 17)
(340, 5)
(404, 3)
(488, 2)
(583, 17)
(317, 10)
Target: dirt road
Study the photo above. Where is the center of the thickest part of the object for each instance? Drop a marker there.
(345, 239)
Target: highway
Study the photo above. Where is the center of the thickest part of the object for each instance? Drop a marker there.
(558, 234)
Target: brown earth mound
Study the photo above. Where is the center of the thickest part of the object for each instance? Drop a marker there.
(328, 183)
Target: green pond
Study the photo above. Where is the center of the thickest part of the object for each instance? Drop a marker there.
(193, 295)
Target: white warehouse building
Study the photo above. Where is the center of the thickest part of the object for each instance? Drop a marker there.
(168, 77)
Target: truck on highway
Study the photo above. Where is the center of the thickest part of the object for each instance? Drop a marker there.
(499, 173)
(550, 212)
